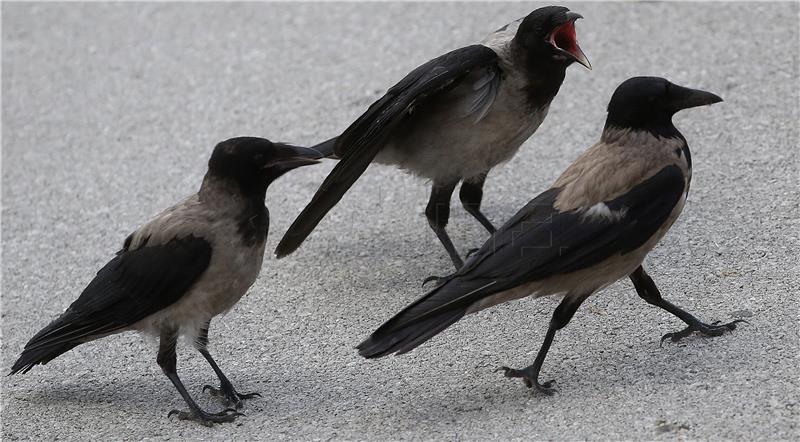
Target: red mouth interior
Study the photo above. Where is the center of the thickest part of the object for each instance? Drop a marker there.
(563, 37)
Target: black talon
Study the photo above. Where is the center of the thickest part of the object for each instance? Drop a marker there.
(167, 360)
(711, 330)
(430, 278)
(470, 253)
(225, 392)
(439, 280)
(205, 418)
(647, 290)
(229, 395)
(561, 316)
(529, 380)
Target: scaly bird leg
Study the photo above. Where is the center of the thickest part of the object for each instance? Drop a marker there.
(167, 359)
(648, 291)
(561, 317)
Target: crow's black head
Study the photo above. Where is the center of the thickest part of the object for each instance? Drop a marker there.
(548, 34)
(254, 163)
(648, 103)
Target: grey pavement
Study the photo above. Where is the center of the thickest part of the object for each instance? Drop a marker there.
(111, 110)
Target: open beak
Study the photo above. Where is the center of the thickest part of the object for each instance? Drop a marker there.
(685, 98)
(290, 157)
(563, 38)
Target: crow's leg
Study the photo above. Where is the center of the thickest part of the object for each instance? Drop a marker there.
(648, 291)
(471, 195)
(167, 360)
(561, 317)
(226, 392)
(438, 214)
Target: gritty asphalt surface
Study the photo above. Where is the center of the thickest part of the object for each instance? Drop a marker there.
(111, 110)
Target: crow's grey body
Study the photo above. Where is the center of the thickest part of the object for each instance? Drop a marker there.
(566, 241)
(634, 157)
(454, 118)
(187, 265)
(594, 226)
(213, 214)
(223, 267)
(482, 121)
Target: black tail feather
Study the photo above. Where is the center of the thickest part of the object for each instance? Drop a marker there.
(423, 319)
(60, 336)
(336, 184)
(40, 355)
(426, 317)
(405, 338)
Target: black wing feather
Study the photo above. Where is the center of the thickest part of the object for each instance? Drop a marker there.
(538, 242)
(360, 142)
(132, 286)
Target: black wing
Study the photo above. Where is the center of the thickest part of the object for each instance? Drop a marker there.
(132, 286)
(538, 242)
(550, 243)
(360, 142)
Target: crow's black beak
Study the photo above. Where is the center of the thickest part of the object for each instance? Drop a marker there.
(564, 39)
(288, 157)
(685, 98)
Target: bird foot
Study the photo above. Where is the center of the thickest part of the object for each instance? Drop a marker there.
(470, 252)
(714, 329)
(439, 280)
(529, 379)
(229, 396)
(205, 418)
(442, 279)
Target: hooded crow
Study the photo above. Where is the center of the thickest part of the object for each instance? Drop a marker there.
(594, 226)
(454, 118)
(190, 263)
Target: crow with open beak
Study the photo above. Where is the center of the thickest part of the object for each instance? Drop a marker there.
(190, 263)
(594, 226)
(453, 119)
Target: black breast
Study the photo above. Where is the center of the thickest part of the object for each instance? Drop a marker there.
(544, 81)
(253, 224)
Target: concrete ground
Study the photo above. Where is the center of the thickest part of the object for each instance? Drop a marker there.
(111, 110)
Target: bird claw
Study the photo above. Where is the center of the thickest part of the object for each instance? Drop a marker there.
(229, 395)
(712, 330)
(546, 388)
(205, 418)
(439, 280)
(470, 252)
